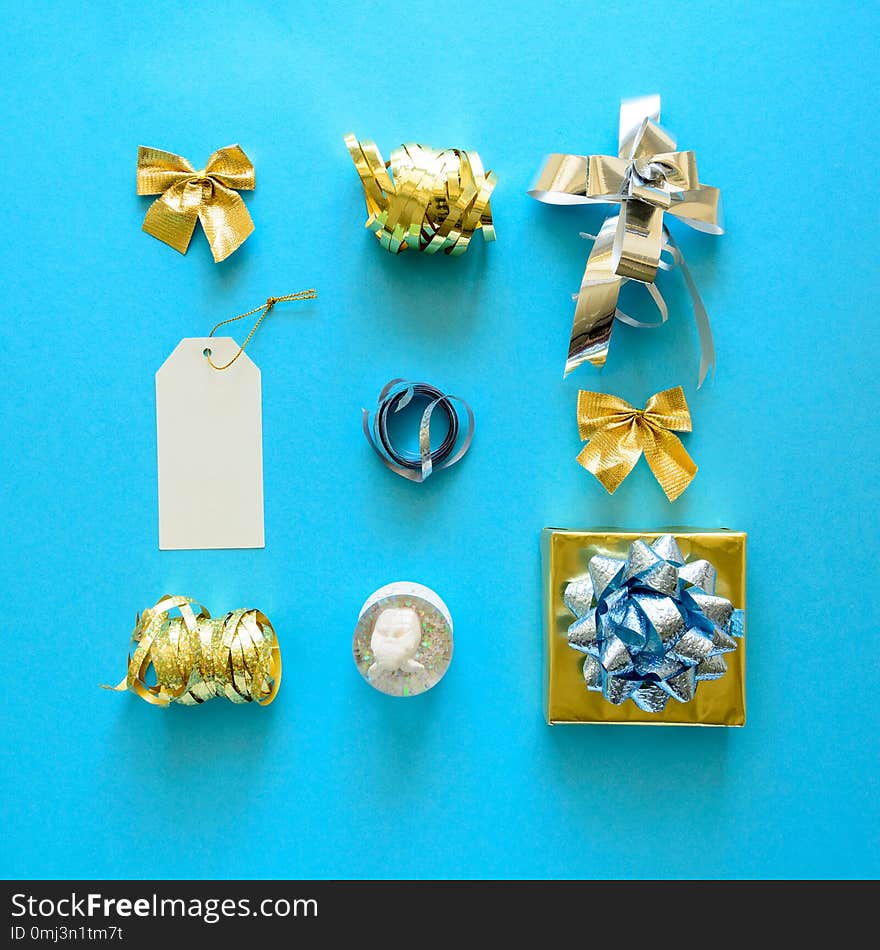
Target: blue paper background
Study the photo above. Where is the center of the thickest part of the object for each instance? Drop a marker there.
(334, 779)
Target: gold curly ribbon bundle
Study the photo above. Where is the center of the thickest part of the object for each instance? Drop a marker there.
(425, 198)
(618, 435)
(647, 179)
(196, 658)
(209, 195)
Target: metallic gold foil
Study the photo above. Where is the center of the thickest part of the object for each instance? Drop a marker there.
(434, 200)
(618, 434)
(648, 178)
(196, 658)
(566, 557)
(208, 195)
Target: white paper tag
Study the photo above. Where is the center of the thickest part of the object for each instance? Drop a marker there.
(209, 434)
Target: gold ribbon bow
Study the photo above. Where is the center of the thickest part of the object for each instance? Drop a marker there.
(431, 199)
(619, 433)
(648, 178)
(209, 195)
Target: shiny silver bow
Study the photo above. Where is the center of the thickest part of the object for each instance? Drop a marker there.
(651, 626)
(648, 178)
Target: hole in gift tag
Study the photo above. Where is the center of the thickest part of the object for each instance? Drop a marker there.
(206, 352)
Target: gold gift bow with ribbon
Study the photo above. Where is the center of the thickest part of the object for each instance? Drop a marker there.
(430, 199)
(197, 658)
(618, 434)
(209, 195)
(648, 178)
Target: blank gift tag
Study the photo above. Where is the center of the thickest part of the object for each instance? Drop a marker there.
(209, 433)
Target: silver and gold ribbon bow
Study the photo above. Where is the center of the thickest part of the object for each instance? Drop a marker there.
(618, 434)
(648, 179)
(186, 195)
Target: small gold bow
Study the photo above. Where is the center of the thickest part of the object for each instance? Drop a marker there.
(619, 433)
(209, 195)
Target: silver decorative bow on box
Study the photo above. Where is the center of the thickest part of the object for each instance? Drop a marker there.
(647, 179)
(651, 626)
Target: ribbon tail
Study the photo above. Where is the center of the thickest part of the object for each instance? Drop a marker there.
(704, 329)
(638, 241)
(172, 225)
(425, 436)
(121, 688)
(425, 439)
(612, 454)
(374, 176)
(596, 304)
(659, 303)
(226, 221)
(673, 468)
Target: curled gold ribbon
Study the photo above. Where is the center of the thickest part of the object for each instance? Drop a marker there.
(196, 658)
(648, 179)
(186, 195)
(619, 433)
(434, 200)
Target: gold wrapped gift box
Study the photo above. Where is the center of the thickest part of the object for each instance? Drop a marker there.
(566, 554)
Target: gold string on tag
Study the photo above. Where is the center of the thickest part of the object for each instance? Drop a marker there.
(265, 308)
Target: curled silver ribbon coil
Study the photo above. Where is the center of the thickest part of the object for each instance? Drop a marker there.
(417, 466)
